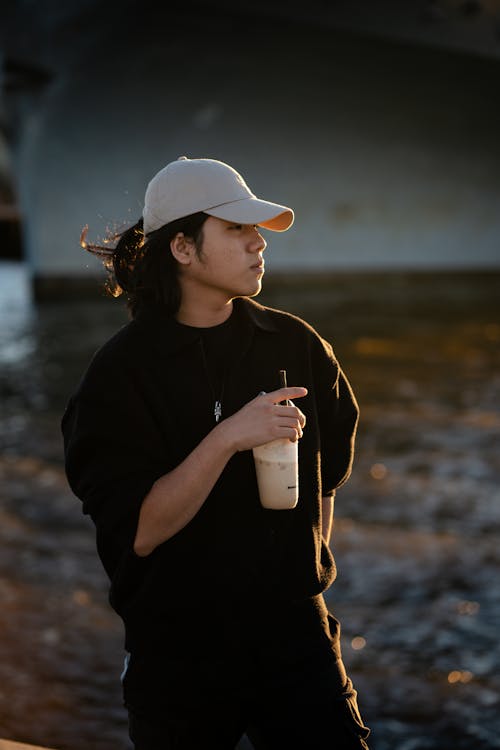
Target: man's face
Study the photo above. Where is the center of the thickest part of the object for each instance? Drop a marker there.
(230, 262)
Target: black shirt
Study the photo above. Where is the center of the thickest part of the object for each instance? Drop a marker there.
(142, 407)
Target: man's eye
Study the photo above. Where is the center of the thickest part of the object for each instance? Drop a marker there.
(236, 226)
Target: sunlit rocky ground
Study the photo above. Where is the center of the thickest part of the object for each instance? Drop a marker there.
(417, 533)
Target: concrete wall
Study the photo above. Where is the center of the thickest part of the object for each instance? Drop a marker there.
(389, 153)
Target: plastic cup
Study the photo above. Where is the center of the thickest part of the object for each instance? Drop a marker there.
(277, 469)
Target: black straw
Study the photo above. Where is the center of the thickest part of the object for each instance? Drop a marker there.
(283, 384)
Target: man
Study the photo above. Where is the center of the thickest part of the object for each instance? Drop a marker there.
(226, 628)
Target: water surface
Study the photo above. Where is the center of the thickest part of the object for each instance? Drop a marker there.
(416, 537)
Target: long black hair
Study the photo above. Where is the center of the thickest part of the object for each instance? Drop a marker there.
(143, 267)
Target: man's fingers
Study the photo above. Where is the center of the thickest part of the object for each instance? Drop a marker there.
(284, 394)
(302, 416)
(290, 416)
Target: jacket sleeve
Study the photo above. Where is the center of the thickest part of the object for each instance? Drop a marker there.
(338, 414)
(113, 455)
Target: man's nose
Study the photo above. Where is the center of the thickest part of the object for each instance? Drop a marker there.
(258, 244)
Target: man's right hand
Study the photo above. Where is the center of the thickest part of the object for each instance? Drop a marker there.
(177, 496)
(264, 419)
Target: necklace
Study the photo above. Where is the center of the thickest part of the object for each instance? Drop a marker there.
(217, 400)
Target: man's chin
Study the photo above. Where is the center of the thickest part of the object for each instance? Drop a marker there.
(256, 289)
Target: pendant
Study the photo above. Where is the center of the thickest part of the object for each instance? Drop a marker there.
(217, 410)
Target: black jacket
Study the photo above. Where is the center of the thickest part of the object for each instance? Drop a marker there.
(144, 404)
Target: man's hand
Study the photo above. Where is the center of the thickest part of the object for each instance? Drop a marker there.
(264, 419)
(177, 496)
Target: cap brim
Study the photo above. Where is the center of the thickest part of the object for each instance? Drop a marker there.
(255, 211)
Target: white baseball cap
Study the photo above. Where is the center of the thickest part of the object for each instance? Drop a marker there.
(187, 186)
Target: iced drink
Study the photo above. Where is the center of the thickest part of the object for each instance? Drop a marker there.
(276, 465)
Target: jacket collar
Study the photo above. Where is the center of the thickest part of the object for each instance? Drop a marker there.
(258, 314)
(163, 329)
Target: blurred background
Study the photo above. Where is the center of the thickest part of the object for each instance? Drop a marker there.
(378, 122)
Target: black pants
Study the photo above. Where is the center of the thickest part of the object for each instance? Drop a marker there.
(283, 684)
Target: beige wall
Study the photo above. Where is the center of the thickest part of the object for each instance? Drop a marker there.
(389, 154)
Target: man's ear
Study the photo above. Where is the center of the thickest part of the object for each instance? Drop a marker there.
(182, 248)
